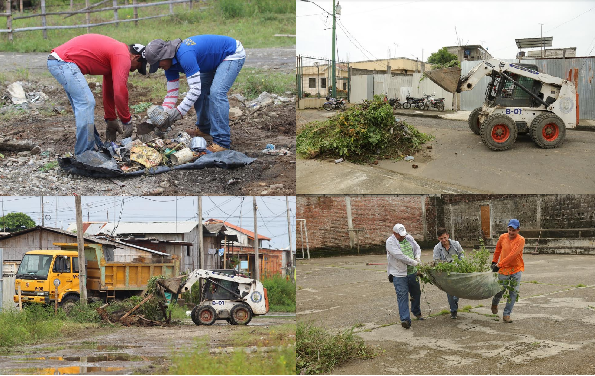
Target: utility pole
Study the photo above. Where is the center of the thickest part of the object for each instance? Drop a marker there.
(289, 233)
(542, 43)
(81, 250)
(200, 250)
(336, 10)
(256, 262)
(42, 214)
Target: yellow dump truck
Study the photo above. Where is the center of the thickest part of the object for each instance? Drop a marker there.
(105, 280)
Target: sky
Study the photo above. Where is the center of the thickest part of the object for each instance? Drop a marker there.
(370, 30)
(271, 218)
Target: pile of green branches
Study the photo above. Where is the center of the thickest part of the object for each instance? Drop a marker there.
(363, 133)
(479, 261)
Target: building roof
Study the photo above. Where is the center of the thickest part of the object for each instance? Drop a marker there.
(250, 234)
(181, 227)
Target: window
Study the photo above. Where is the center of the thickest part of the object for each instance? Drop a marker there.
(312, 83)
(323, 83)
(75, 264)
(344, 85)
(61, 264)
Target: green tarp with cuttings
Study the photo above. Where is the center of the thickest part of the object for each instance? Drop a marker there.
(474, 286)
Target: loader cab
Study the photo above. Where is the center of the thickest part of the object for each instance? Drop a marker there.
(504, 92)
(219, 289)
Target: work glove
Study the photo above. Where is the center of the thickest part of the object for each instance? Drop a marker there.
(495, 267)
(390, 278)
(112, 128)
(128, 129)
(173, 115)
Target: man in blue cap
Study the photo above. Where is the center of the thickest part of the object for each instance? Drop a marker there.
(508, 262)
(211, 64)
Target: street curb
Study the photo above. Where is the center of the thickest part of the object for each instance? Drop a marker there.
(403, 113)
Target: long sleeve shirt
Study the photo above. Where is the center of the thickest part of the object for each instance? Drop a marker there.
(97, 54)
(510, 254)
(397, 260)
(201, 53)
(442, 254)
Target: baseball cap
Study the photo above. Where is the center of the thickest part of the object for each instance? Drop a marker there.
(139, 49)
(514, 223)
(158, 50)
(400, 229)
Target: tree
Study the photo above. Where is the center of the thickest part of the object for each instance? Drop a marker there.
(16, 222)
(443, 59)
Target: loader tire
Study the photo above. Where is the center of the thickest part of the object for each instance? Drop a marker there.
(474, 121)
(548, 131)
(498, 132)
(203, 315)
(240, 314)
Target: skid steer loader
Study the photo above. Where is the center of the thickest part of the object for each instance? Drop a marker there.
(222, 297)
(519, 99)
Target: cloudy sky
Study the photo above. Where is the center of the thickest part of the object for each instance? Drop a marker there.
(369, 30)
(59, 211)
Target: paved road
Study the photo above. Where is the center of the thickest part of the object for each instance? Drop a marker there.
(459, 163)
(282, 58)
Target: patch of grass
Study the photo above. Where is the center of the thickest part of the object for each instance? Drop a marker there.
(466, 308)
(278, 335)
(281, 293)
(534, 282)
(140, 107)
(320, 352)
(49, 166)
(198, 361)
(581, 285)
(363, 133)
(251, 82)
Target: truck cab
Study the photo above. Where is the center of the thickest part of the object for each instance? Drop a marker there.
(37, 273)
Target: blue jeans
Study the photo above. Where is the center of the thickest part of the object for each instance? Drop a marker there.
(82, 101)
(212, 106)
(453, 303)
(512, 295)
(403, 287)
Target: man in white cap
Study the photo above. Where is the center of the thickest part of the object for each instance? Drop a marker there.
(97, 54)
(211, 64)
(403, 254)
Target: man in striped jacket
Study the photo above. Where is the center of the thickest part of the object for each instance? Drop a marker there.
(211, 64)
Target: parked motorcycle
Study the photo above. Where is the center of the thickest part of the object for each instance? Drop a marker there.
(395, 103)
(334, 103)
(414, 102)
(433, 102)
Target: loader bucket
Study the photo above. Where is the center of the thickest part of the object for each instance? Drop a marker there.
(447, 78)
(172, 285)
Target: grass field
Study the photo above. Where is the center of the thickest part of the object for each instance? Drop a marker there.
(253, 22)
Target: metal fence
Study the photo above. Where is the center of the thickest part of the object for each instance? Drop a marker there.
(87, 10)
(585, 66)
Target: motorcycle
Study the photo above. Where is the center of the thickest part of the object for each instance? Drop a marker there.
(433, 102)
(395, 103)
(334, 103)
(414, 102)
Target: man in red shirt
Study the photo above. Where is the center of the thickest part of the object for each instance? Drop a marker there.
(508, 262)
(97, 54)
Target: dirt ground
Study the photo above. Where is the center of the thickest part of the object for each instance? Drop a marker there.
(50, 124)
(132, 350)
(551, 333)
(457, 162)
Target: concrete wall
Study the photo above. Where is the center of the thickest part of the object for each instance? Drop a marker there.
(310, 103)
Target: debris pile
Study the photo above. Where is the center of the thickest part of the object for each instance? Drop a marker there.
(128, 318)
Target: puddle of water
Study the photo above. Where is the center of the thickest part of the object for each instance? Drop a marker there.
(110, 357)
(115, 347)
(74, 370)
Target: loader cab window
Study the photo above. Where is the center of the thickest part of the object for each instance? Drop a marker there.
(507, 93)
(220, 290)
(62, 264)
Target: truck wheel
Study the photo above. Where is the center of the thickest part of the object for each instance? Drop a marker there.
(474, 120)
(68, 302)
(548, 131)
(240, 314)
(498, 132)
(203, 315)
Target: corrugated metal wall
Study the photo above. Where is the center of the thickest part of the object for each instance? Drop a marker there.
(554, 67)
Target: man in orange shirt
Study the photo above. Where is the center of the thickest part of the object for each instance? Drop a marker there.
(508, 262)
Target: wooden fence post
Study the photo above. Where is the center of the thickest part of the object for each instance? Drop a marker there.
(87, 15)
(9, 19)
(135, 13)
(71, 4)
(21, 6)
(43, 20)
(171, 8)
(115, 2)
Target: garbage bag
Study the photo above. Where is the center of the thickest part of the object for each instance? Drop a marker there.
(100, 164)
(474, 286)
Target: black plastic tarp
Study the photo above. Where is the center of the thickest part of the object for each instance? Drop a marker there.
(101, 164)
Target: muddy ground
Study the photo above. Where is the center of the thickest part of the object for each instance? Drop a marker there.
(50, 124)
(457, 162)
(551, 333)
(134, 350)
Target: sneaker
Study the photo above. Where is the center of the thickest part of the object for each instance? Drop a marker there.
(195, 132)
(494, 309)
(453, 315)
(506, 319)
(215, 148)
(406, 324)
(420, 317)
